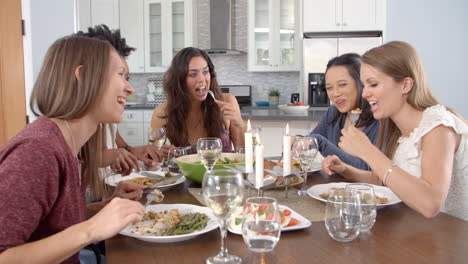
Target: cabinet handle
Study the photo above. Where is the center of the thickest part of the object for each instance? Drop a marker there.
(345, 24)
(338, 23)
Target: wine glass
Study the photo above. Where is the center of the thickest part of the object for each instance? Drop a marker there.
(209, 150)
(261, 224)
(343, 214)
(157, 137)
(172, 155)
(223, 191)
(304, 150)
(368, 207)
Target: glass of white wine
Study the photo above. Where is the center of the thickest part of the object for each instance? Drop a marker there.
(223, 191)
(304, 150)
(209, 150)
(157, 137)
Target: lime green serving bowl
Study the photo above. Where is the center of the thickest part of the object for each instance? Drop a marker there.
(194, 170)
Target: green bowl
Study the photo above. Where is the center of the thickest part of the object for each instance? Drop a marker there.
(194, 170)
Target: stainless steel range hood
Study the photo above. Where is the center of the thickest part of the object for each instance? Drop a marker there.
(221, 28)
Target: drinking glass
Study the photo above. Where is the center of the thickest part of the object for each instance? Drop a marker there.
(157, 137)
(209, 150)
(223, 191)
(172, 155)
(261, 224)
(368, 207)
(256, 134)
(304, 150)
(343, 214)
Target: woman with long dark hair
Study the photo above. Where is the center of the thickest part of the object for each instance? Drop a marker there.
(344, 88)
(190, 112)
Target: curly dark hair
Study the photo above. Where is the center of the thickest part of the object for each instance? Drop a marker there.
(352, 62)
(179, 102)
(103, 32)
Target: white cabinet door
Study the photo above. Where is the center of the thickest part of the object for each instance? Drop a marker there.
(90, 13)
(105, 12)
(362, 15)
(132, 133)
(320, 15)
(167, 26)
(131, 28)
(274, 39)
(132, 116)
(343, 15)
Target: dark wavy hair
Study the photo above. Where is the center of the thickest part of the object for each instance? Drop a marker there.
(352, 62)
(179, 102)
(103, 32)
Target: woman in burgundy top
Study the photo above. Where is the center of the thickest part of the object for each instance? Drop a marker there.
(82, 83)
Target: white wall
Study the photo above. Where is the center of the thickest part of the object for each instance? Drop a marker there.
(438, 29)
(45, 22)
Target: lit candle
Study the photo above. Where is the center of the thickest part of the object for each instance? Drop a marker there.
(258, 164)
(286, 152)
(248, 149)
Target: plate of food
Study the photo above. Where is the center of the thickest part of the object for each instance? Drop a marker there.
(144, 180)
(384, 196)
(290, 220)
(167, 223)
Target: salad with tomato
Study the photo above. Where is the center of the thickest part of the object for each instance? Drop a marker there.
(264, 212)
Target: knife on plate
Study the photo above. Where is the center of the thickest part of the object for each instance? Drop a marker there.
(166, 181)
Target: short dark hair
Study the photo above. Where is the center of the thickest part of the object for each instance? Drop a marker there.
(103, 32)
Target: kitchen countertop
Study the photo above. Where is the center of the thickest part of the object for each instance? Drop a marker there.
(262, 113)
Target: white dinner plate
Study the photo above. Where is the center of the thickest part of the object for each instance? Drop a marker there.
(183, 209)
(381, 191)
(303, 222)
(116, 178)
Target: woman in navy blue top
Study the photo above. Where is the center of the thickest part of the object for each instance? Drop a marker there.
(344, 88)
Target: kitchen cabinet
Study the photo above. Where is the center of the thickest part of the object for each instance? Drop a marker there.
(135, 125)
(158, 29)
(167, 30)
(343, 15)
(273, 35)
(95, 12)
(132, 29)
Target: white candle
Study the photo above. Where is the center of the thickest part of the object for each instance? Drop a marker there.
(286, 152)
(258, 165)
(248, 149)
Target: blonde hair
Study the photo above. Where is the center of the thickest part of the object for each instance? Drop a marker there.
(399, 60)
(58, 94)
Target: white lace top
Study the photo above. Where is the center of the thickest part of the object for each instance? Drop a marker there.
(408, 157)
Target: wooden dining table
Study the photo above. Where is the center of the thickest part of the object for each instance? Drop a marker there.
(399, 235)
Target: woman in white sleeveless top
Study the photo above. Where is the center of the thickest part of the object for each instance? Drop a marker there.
(424, 143)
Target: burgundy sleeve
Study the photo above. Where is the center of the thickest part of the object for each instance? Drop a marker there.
(29, 173)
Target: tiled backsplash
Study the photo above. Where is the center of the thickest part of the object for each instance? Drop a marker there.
(232, 69)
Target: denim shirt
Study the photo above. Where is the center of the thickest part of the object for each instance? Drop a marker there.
(328, 136)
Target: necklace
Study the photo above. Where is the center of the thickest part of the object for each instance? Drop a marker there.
(71, 135)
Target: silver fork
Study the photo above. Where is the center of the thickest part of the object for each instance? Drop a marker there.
(212, 94)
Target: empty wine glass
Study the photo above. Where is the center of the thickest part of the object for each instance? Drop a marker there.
(304, 150)
(368, 207)
(223, 191)
(172, 155)
(261, 224)
(157, 137)
(209, 150)
(343, 214)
